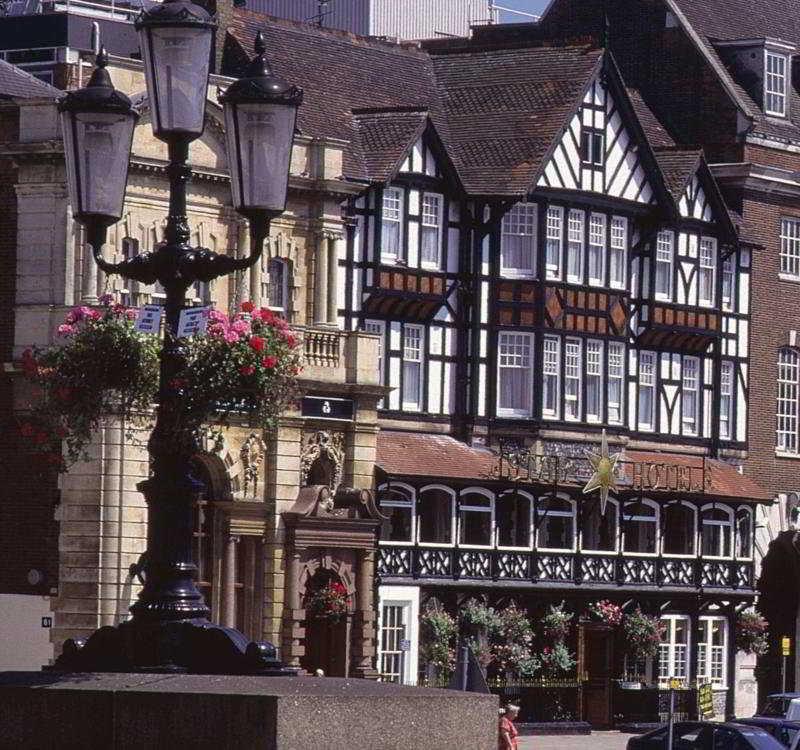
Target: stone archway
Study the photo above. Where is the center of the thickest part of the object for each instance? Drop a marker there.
(327, 641)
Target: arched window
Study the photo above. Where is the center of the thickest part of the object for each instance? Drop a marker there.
(275, 284)
(599, 533)
(396, 502)
(744, 533)
(513, 514)
(679, 529)
(787, 407)
(435, 515)
(555, 517)
(475, 518)
(716, 531)
(640, 527)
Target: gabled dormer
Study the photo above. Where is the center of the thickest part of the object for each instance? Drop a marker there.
(763, 67)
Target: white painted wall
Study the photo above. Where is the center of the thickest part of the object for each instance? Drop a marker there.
(24, 643)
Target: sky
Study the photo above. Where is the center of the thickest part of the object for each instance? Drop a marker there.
(531, 6)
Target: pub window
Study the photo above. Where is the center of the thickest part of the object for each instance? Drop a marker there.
(716, 531)
(665, 250)
(555, 222)
(599, 532)
(728, 282)
(726, 401)
(475, 518)
(431, 230)
(275, 284)
(707, 271)
(712, 648)
(744, 534)
(575, 246)
(513, 519)
(775, 84)
(396, 503)
(790, 247)
(412, 367)
(673, 655)
(616, 375)
(594, 380)
(690, 395)
(647, 391)
(572, 380)
(551, 372)
(392, 224)
(556, 524)
(435, 515)
(679, 529)
(640, 527)
(518, 241)
(592, 142)
(596, 256)
(514, 374)
(618, 254)
(786, 412)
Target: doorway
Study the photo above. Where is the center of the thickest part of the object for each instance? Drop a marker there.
(327, 636)
(598, 651)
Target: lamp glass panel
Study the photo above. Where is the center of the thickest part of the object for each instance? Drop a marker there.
(260, 151)
(176, 61)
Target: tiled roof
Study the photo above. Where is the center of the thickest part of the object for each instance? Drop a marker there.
(384, 136)
(17, 84)
(656, 134)
(677, 168)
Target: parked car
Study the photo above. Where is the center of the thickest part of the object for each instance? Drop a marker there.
(707, 735)
(782, 730)
(782, 706)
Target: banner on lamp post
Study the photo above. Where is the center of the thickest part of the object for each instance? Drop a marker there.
(193, 321)
(149, 319)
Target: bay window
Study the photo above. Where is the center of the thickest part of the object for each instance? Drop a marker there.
(518, 241)
(775, 79)
(575, 246)
(716, 531)
(679, 529)
(616, 375)
(594, 381)
(673, 655)
(514, 374)
(475, 518)
(690, 395)
(412, 367)
(556, 524)
(618, 255)
(572, 380)
(551, 375)
(787, 407)
(396, 503)
(712, 649)
(707, 271)
(392, 224)
(435, 515)
(555, 230)
(647, 391)
(596, 256)
(431, 230)
(726, 401)
(640, 527)
(665, 250)
(513, 514)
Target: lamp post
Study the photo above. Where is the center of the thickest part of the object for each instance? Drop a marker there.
(169, 629)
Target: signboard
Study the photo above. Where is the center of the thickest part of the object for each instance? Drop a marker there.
(786, 646)
(149, 319)
(47, 622)
(705, 701)
(193, 321)
(327, 407)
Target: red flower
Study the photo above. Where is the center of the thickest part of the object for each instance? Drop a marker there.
(26, 430)
(291, 341)
(41, 438)
(269, 362)
(267, 316)
(177, 383)
(248, 307)
(257, 344)
(247, 369)
(62, 432)
(64, 393)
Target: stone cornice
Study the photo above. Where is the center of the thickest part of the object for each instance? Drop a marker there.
(758, 178)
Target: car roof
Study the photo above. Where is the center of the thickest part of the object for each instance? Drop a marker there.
(784, 695)
(769, 720)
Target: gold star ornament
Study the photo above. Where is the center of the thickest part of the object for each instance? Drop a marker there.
(604, 477)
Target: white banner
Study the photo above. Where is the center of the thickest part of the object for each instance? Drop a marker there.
(193, 321)
(148, 319)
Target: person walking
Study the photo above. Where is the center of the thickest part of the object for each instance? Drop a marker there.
(507, 732)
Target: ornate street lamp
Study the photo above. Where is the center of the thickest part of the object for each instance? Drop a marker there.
(169, 629)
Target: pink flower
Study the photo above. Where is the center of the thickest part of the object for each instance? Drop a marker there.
(240, 326)
(231, 337)
(216, 331)
(269, 362)
(84, 312)
(66, 330)
(218, 317)
(72, 317)
(106, 299)
(130, 313)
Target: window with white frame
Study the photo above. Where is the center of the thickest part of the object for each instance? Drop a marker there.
(431, 230)
(640, 528)
(786, 412)
(475, 519)
(665, 251)
(435, 515)
(716, 531)
(275, 284)
(596, 254)
(377, 327)
(673, 655)
(679, 529)
(599, 532)
(616, 377)
(690, 394)
(594, 381)
(618, 254)
(514, 374)
(712, 648)
(728, 282)
(518, 241)
(726, 401)
(397, 506)
(555, 231)
(775, 84)
(646, 415)
(572, 379)
(556, 524)
(393, 631)
(412, 367)
(392, 224)
(744, 534)
(575, 246)
(513, 519)
(707, 271)
(790, 247)
(551, 372)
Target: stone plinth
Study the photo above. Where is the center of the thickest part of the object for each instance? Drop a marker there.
(132, 711)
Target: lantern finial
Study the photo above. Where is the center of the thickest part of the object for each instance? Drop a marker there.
(260, 44)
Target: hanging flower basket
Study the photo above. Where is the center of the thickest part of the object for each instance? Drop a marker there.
(606, 612)
(752, 634)
(643, 634)
(438, 631)
(329, 602)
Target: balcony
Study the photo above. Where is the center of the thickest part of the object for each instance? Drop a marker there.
(568, 569)
(669, 326)
(410, 293)
(330, 355)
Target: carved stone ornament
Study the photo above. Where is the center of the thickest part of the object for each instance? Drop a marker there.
(322, 460)
(251, 455)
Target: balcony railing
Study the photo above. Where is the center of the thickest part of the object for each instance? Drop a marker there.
(322, 348)
(568, 568)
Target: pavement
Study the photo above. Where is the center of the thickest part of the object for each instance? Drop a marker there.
(593, 741)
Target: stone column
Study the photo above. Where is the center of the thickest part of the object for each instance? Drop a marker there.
(363, 632)
(321, 281)
(293, 633)
(333, 271)
(229, 583)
